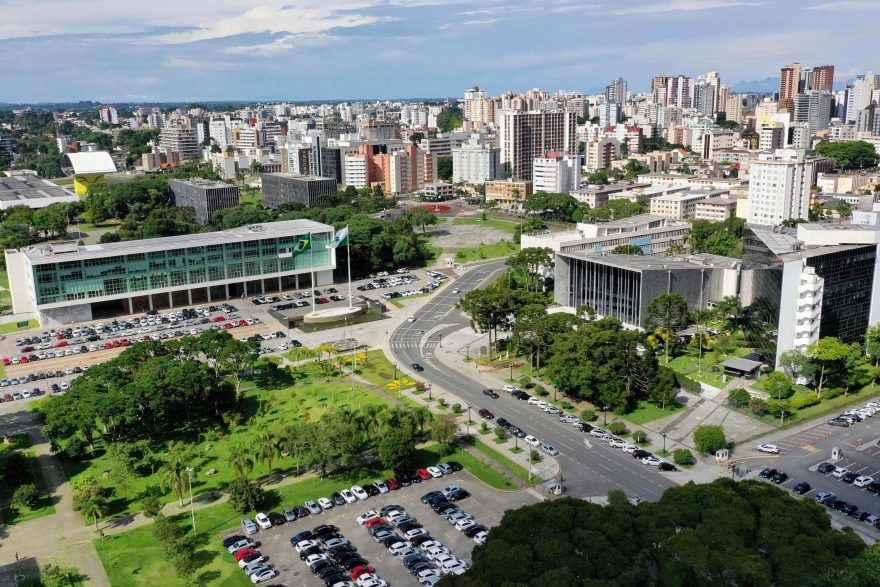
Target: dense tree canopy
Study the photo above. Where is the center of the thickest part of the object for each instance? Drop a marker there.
(723, 533)
(850, 154)
(717, 238)
(449, 119)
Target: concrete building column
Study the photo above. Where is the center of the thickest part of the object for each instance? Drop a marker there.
(209, 294)
(279, 284)
(244, 287)
(226, 285)
(189, 296)
(262, 286)
(130, 305)
(296, 280)
(150, 300)
(170, 300)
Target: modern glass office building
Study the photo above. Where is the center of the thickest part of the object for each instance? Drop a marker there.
(65, 283)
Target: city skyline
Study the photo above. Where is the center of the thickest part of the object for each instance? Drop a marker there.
(292, 50)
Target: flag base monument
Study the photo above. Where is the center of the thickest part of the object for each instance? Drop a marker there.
(333, 314)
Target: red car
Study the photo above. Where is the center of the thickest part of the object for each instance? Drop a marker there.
(27, 349)
(218, 318)
(361, 570)
(7, 361)
(59, 336)
(240, 554)
(61, 344)
(24, 359)
(242, 323)
(424, 474)
(126, 342)
(373, 522)
(229, 325)
(116, 343)
(108, 345)
(392, 484)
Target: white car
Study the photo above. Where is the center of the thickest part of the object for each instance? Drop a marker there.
(363, 518)
(313, 558)
(542, 404)
(325, 503)
(480, 537)
(348, 496)
(511, 388)
(618, 443)
(840, 472)
(597, 432)
(532, 441)
(263, 575)
(371, 580)
(399, 547)
(359, 492)
(304, 544)
(768, 448)
(534, 400)
(863, 481)
(411, 319)
(263, 520)
(415, 532)
(245, 562)
(435, 472)
(381, 486)
(629, 448)
(428, 574)
(429, 544)
(651, 461)
(463, 525)
(453, 566)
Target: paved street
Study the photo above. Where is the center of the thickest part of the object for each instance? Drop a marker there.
(588, 470)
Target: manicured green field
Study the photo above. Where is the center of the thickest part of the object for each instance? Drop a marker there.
(486, 251)
(508, 227)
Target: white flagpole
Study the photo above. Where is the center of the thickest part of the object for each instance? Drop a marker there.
(348, 257)
(312, 268)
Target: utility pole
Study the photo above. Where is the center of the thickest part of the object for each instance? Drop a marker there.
(189, 472)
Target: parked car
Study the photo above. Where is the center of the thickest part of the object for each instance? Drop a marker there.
(249, 526)
(768, 448)
(801, 488)
(826, 468)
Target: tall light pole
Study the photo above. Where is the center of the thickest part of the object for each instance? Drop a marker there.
(605, 413)
(664, 442)
(468, 423)
(192, 509)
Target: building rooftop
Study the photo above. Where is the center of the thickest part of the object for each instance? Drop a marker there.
(23, 189)
(719, 201)
(298, 177)
(204, 183)
(656, 263)
(92, 162)
(70, 252)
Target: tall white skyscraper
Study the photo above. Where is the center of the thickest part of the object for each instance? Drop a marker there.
(779, 187)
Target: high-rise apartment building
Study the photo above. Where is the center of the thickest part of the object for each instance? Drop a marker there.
(779, 187)
(823, 78)
(680, 92)
(616, 91)
(108, 114)
(813, 107)
(205, 196)
(475, 162)
(179, 140)
(789, 85)
(556, 173)
(525, 136)
(734, 109)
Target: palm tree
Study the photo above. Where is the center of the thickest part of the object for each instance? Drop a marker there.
(268, 447)
(295, 440)
(421, 415)
(239, 458)
(172, 474)
(95, 507)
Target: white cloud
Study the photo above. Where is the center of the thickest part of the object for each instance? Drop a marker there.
(682, 6)
(280, 45)
(846, 5)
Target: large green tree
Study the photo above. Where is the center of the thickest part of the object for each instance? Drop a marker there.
(667, 313)
(850, 154)
(722, 533)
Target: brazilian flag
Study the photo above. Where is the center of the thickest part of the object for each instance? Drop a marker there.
(304, 245)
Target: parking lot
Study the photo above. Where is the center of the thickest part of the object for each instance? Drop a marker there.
(801, 453)
(486, 505)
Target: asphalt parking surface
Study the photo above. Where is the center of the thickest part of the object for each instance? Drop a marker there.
(802, 452)
(486, 505)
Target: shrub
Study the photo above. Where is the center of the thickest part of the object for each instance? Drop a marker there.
(778, 407)
(534, 455)
(442, 402)
(526, 382)
(832, 392)
(758, 406)
(76, 448)
(640, 437)
(456, 408)
(484, 427)
(500, 432)
(151, 506)
(709, 438)
(739, 397)
(804, 400)
(566, 406)
(539, 390)
(589, 416)
(682, 456)
(27, 496)
(617, 428)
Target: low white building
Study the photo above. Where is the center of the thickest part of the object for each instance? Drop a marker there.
(556, 173)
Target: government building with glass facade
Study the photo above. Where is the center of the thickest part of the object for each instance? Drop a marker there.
(64, 283)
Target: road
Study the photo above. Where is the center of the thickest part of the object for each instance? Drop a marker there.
(588, 471)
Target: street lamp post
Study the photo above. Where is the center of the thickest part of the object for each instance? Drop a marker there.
(468, 423)
(192, 509)
(440, 339)
(430, 387)
(605, 413)
(664, 442)
(511, 371)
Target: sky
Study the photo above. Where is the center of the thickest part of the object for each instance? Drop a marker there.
(266, 50)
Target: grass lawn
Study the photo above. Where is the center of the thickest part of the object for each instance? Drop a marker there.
(68, 577)
(106, 225)
(433, 253)
(135, 558)
(16, 442)
(261, 409)
(4, 279)
(13, 326)
(505, 461)
(503, 225)
(704, 371)
(647, 412)
(486, 251)
(251, 199)
(826, 406)
(378, 370)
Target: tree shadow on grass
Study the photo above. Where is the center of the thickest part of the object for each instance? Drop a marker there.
(208, 578)
(203, 558)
